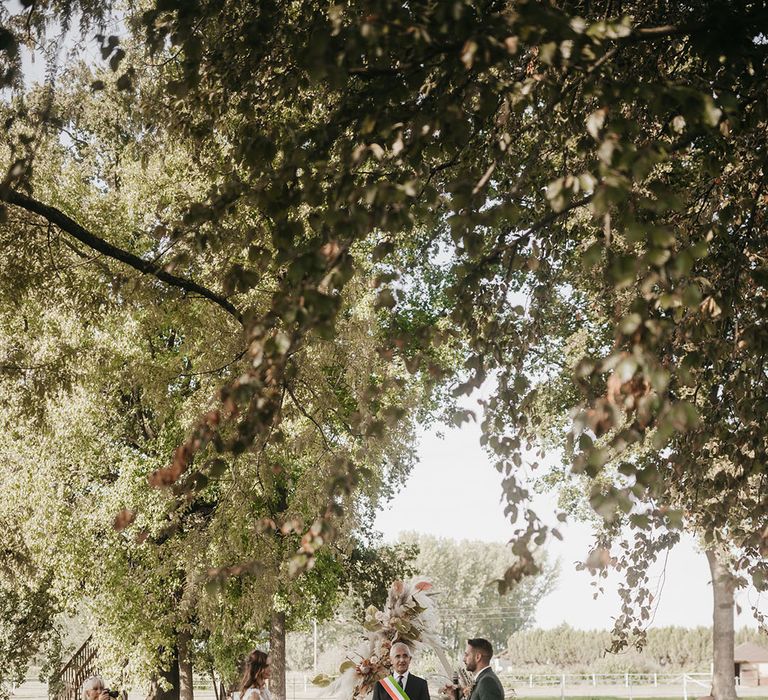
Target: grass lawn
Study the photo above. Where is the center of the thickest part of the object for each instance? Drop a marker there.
(691, 696)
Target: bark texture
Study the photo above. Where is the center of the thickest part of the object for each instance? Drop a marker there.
(277, 686)
(723, 586)
(166, 677)
(186, 690)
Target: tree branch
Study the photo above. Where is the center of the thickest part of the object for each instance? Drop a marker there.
(665, 30)
(215, 370)
(303, 411)
(68, 225)
(525, 234)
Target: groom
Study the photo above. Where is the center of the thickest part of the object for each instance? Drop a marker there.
(477, 659)
(392, 687)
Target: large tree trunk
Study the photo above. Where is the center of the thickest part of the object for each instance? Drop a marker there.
(166, 677)
(186, 691)
(277, 656)
(723, 585)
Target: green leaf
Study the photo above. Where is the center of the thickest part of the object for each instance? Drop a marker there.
(623, 270)
(117, 57)
(322, 680)
(385, 299)
(630, 323)
(661, 237)
(692, 295)
(547, 52)
(710, 113)
(657, 256)
(595, 123)
(125, 82)
(591, 256)
(626, 369)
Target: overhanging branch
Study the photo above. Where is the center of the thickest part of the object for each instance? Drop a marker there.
(70, 226)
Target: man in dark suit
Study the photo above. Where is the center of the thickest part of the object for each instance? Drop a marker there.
(477, 659)
(415, 688)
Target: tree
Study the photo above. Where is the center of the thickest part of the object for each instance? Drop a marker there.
(365, 578)
(466, 574)
(27, 609)
(514, 138)
(89, 421)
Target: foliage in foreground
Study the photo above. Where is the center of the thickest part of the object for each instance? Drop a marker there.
(591, 176)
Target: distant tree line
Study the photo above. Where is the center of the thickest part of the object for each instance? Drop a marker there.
(668, 649)
(465, 575)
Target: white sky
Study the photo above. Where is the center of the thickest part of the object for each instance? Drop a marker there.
(454, 491)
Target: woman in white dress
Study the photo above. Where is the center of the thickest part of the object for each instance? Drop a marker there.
(255, 677)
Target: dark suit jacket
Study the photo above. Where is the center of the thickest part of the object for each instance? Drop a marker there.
(488, 687)
(415, 688)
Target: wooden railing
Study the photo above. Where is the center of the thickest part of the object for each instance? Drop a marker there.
(66, 684)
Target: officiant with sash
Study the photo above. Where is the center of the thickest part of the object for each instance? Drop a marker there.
(401, 684)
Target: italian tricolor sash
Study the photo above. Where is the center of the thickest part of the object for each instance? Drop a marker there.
(393, 688)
